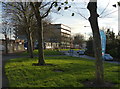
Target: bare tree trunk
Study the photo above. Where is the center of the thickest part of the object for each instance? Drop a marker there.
(40, 43)
(40, 33)
(27, 44)
(27, 47)
(30, 46)
(93, 19)
(6, 44)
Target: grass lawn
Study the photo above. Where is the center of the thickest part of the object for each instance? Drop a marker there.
(70, 72)
(49, 52)
(69, 49)
(46, 52)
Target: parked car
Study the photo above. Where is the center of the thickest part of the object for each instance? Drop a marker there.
(108, 57)
(2, 48)
(70, 51)
(81, 52)
(25, 45)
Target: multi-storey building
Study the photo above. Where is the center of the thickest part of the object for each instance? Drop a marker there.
(54, 36)
(59, 36)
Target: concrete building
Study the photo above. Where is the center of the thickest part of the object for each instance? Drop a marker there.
(59, 36)
(54, 36)
(13, 45)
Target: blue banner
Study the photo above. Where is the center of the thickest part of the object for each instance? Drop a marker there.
(103, 42)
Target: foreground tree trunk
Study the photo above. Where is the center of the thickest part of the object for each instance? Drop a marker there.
(40, 43)
(6, 44)
(39, 31)
(93, 19)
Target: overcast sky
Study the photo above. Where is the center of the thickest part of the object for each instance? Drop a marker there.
(0, 20)
(77, 22)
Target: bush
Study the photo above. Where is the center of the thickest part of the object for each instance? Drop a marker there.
(113, 52)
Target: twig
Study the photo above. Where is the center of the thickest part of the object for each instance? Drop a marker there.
(108, 14)
(105, 8)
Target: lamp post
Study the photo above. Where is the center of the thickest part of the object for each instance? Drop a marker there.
(85, 32)
(86, 26)
(10, 33)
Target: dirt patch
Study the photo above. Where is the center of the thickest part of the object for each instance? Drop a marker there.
(58, 70)
(92, 83)
(116, 71)
(37, 64)
(71, 63)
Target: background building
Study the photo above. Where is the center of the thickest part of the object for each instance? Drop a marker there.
(54, 36)
(57, 36)
(13, 45)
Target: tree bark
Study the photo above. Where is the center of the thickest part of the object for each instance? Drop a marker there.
(93, 19)
(6, 44)
(40, 43)
(30, 46)
(29, 37)
(40, 33)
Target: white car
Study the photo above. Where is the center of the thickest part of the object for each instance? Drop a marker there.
(2, 47)
(108, 57)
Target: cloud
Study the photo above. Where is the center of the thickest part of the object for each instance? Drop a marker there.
(77, 23)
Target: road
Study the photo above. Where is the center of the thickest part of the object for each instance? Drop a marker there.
(75, 54)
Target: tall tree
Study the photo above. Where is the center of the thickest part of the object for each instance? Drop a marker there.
(5, 31)
(89, 46)
(36, 7)
(112, 43)
(93, 19)
(118, 45)
(78, 40)
(22, 17)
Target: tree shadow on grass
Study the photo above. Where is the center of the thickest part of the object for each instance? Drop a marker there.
(93, 84)
(46, 64)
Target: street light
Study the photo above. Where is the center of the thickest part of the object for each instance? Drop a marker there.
(10, 33)
(86, 26)
(85, 32)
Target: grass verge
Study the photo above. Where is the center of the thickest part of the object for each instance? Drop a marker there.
(66, 72)
(46, 52)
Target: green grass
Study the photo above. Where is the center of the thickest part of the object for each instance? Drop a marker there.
(46, 52)
(21, 73)
(69, 49)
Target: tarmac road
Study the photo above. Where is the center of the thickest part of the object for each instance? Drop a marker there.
(75, 54)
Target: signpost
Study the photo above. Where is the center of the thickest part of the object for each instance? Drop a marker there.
(103, 42)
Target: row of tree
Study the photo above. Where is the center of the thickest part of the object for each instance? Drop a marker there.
(27, 18)
(113, 44)
(30, 15)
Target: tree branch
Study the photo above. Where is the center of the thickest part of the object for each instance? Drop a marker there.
(45, 5)
(108, 14)
(79, 12)
(47, 12)
(104, 8)
(12, 5)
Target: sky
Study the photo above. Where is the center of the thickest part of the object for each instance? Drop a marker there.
(0, 20)
(78, 23)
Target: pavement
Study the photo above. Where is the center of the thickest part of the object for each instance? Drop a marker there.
(5, 82)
